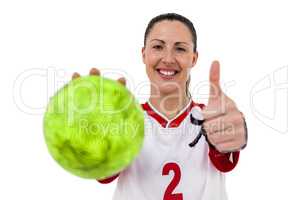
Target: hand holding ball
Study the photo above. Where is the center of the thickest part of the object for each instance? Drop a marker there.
(94, 127)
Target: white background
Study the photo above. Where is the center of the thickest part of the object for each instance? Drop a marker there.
(257, 43)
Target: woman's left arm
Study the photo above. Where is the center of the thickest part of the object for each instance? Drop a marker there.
(225, 126)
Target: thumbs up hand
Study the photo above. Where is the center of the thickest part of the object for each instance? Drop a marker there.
(224, 123)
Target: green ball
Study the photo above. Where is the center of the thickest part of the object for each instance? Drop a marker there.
(94, 127)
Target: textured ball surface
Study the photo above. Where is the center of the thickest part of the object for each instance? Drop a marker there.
(94, 127)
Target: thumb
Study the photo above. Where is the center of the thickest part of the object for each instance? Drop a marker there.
(214, 80)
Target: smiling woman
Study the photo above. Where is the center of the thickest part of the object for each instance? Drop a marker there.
(169, 53)
(176, 163)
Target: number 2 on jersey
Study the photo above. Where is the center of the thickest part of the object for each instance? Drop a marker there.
(176, 178)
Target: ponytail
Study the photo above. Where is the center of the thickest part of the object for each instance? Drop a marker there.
(187, 91)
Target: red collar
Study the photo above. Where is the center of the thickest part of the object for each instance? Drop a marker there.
(173, 123)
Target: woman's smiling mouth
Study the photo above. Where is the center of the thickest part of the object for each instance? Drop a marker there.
(167, 74)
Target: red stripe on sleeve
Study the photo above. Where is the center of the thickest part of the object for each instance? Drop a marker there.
(222, 161)
(108, 180)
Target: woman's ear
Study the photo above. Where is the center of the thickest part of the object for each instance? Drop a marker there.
(143, 55)
(195, 58)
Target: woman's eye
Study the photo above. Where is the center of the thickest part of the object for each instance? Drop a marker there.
(157, 47)
(180, 49)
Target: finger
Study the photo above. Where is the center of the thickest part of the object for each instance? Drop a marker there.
(223, 121)
(94, 72)
(75, 75)
(218, 108)
(122, 80)
(216, 124)
(214, 79)
(226, 136)
(226, 147)
(214, 109)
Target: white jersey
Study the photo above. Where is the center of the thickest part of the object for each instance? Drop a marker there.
(167, 168)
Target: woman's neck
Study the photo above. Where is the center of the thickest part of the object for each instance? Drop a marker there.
(169, 105)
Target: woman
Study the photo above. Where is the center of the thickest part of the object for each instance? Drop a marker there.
(176, 162)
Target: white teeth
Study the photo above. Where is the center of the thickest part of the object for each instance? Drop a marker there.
(167, 73)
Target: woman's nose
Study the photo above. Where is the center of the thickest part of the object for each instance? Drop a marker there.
(168, 57)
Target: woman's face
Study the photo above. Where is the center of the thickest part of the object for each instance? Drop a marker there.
(168, 56)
